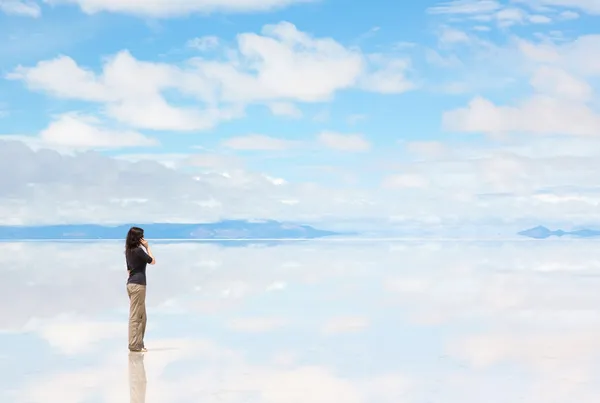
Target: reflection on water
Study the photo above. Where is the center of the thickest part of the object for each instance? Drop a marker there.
(308, 322)
(137, 378)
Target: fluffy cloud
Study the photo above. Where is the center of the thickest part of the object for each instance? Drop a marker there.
(537, 115)
(168, 8)
(562, 101)
(280, 65)
(548, 181)
(76, 132)
(118, 190)
(505, 177)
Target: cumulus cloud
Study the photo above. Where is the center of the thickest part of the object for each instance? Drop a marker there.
(88, 186)
(538, 115)
(71, 132)
(478, 184)
(561, 100)
(504, 178)
(280, 65)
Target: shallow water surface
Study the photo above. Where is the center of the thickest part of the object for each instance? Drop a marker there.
(305, 322)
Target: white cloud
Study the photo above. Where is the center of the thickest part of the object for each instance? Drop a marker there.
(204, 43)
(291, 64)
(285, 109)
(19, 7)
(569, 15)
(175, 8)
(561, 102)
(540, 19)
(510, 16)
(277, 67)
(388, 76)
(588, 6)
(560, 84)
(451, 36)
(215, 161)
(540, 114)
(170, 160)
(465, 7)
(78, 132)
(259, 142)
(506, 14)
(344, 142)
(212, 185)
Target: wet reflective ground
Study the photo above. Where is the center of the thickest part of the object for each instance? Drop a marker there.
(305, 322)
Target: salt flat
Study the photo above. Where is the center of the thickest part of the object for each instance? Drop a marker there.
(305, 322)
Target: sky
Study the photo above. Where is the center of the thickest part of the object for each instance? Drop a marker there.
(309, 322)
(422, 113)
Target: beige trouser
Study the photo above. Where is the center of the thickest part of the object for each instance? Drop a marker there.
(137, 378)
(137, 315)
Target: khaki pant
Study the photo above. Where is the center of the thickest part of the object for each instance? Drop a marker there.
(137, 315)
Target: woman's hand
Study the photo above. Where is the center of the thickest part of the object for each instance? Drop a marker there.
(144, 243)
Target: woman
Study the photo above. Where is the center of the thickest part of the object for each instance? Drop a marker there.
(137, 259)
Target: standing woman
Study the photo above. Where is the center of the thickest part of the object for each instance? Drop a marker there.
(137, 258)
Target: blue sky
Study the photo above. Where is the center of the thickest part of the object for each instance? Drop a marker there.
(437, 113)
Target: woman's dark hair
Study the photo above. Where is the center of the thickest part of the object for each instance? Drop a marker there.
(134, 238)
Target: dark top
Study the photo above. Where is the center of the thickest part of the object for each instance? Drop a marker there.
(137, 259)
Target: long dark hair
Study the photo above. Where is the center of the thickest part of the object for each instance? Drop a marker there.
(134, 238)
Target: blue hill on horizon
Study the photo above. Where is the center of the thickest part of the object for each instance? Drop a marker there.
(227, 229)
(541, 232)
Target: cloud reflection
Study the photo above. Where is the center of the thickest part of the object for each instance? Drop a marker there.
(315, 322)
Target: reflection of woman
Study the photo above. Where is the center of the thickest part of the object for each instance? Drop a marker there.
(137, 259)
(137, 378)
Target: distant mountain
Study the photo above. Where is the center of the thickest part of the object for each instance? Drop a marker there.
(230, 229)
(541, 232)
